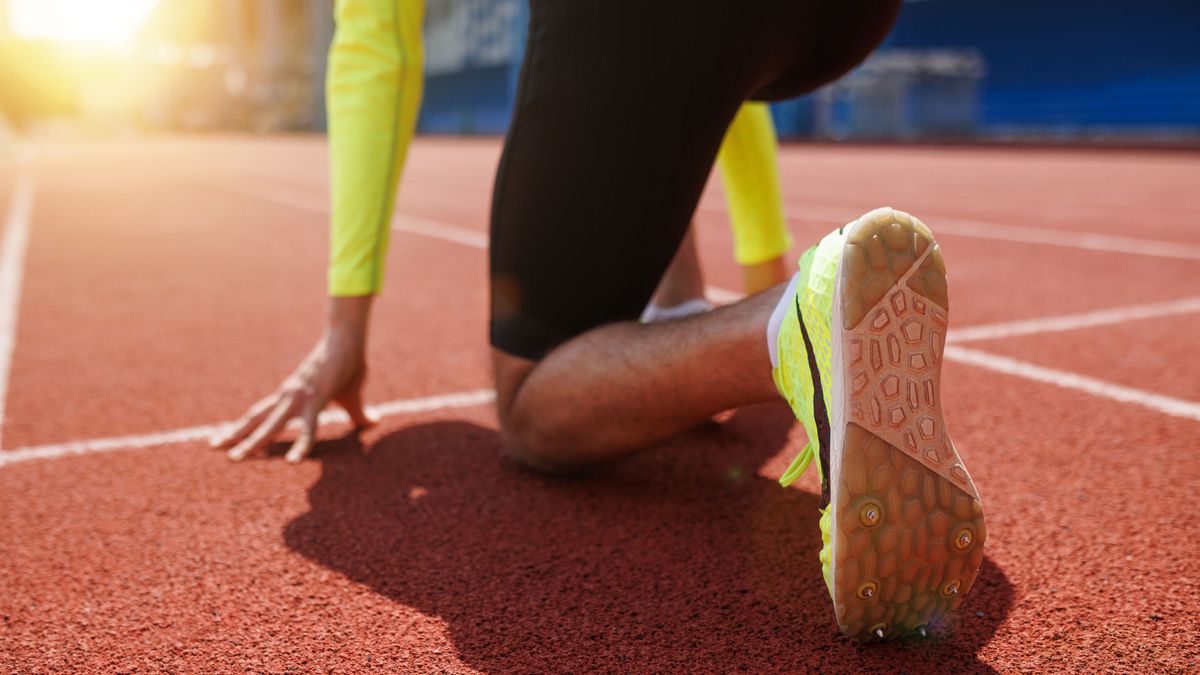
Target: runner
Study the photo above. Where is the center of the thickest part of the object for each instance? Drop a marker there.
(620, 113)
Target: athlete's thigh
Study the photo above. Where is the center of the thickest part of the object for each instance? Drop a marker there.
(814, 42)
(620, 112)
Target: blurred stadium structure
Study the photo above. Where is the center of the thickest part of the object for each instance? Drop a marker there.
(190, 65)
(952, 69)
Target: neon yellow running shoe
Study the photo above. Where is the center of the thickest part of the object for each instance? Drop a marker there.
(858, 358)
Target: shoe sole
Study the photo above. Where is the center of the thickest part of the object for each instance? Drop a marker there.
(908, 527)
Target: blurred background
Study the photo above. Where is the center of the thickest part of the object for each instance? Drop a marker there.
(1109, 71)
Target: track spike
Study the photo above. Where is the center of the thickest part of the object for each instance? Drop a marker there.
(879, 633)
(921, 630)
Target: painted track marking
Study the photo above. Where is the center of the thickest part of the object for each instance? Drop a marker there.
(12, 272)
(1068, 380)
(308, 201)
(1024, 234)
(305, 199)
(467, 399)
(1065, 322)
(1088, 241)
(949, 225)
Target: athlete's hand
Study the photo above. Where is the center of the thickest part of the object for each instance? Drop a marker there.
(334, 370)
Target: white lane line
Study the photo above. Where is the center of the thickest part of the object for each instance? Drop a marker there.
(950, 225)
(305, 199)
(1089, 241)
(979, 229)
(1002, 364)
(443, 231)
(467, 399)
(1065, 322)
(12, 272)
(309, 201)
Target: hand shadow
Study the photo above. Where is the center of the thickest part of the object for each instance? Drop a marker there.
(677, 559)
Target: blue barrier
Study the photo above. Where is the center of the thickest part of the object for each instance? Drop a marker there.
(1070, 66)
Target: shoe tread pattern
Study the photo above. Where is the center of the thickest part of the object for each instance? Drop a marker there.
(893, 349)
(897, 454)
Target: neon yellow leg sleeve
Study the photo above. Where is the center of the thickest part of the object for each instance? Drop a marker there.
(373, 89)
(751, 176)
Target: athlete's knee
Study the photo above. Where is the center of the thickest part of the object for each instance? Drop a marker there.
(540, 437)
(543, 438)
(533, 443)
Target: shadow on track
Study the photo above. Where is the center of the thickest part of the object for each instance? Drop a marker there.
(679, 559)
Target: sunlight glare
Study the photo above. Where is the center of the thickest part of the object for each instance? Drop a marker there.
(105, 22)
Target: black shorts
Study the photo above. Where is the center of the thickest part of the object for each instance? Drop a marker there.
(620, 111)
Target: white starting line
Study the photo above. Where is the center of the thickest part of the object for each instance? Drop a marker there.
(466, 399)
(17, 232)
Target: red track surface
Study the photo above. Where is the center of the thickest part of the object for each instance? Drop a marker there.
(164, 288)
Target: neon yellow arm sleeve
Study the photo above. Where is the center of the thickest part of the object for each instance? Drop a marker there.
(373, 89)
(750, 173)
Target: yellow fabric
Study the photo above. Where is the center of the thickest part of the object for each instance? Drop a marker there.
(826, 554)
(813, 298)
(373, 89)
(751, 177)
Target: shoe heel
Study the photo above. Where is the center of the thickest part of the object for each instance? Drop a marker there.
(908, 520)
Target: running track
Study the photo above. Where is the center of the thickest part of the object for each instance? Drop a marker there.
(151, 289)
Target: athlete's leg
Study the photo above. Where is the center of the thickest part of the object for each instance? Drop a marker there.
(584, 225)
(750, 175)
(602, 169)
(621, 387)
(861, 378)
(681, 290)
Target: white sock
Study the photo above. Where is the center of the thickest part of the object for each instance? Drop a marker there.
(776, 321)
(654, 313)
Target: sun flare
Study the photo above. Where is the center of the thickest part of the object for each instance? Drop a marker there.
(100, 22)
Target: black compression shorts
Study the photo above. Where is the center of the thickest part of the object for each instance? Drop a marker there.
(620, 111)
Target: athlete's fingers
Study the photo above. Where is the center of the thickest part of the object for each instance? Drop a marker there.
(308, 432)
(231, 434)
(352, 403)
(262, 435)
